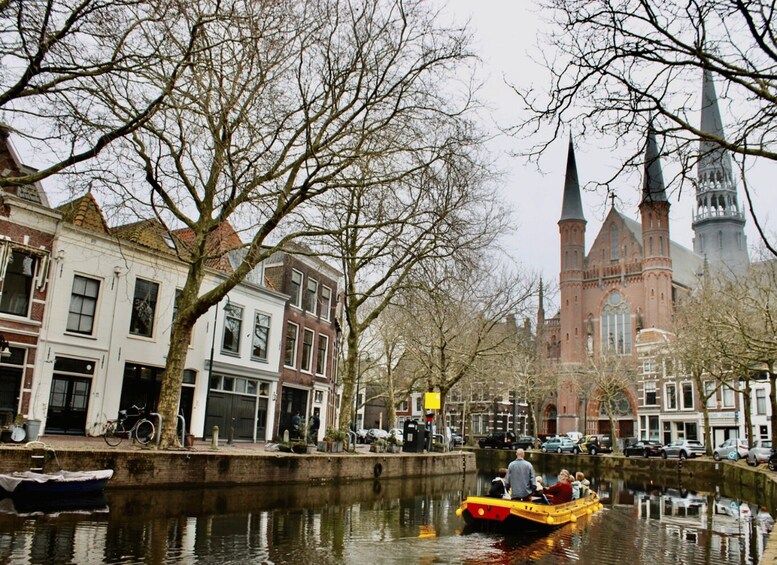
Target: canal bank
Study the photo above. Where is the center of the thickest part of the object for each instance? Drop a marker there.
(227, 465)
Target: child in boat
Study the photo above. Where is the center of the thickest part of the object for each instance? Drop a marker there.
(583, 484)
(561, 492)
(499, 484)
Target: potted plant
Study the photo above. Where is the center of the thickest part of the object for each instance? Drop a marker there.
(378, 446)
(394, 444)
(337, 436)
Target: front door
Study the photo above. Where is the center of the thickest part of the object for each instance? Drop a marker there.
(68, 402)
(233, 414)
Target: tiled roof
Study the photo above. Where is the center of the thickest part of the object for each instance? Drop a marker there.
(84, 212)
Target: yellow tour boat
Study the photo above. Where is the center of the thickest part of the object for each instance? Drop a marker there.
(485, 510)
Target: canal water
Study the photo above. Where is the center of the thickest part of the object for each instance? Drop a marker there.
(385, 521)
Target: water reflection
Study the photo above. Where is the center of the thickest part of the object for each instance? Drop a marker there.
(409, 521)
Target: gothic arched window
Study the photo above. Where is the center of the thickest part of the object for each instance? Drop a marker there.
(616, 325)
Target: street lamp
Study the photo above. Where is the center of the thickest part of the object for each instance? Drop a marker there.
(5, 348)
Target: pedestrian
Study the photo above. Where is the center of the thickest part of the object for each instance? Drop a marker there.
(315, 423)
(296, 422)
(521, 477)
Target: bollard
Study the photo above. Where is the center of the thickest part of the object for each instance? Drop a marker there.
(285, 436)
(231, 435)
(214, 438)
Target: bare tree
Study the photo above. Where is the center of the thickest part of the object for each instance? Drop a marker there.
(381, 235)
(606, 379)
(282, 102)
(616, 65)
(73, 73)
(464, 324)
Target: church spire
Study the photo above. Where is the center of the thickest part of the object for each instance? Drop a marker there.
(653, 189)
(718, 220)
(572, 206)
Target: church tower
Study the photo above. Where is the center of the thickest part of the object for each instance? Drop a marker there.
(657, 262)
(572, 232)
(718, 221)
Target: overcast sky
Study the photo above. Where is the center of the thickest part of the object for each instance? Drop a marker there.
(505, 36)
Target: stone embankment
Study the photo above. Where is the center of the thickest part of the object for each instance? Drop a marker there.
(239, 464)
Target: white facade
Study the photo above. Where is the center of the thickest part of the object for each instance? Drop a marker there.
(88, 346)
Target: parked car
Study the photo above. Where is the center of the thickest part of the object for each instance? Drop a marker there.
(525, 442)
(457, 440)
(759, 452)
(361, 435)
(772, 461)
(598, 444)
(732, 448)
(498, 440)
(683, 448)
(644, 448)
(376, 433)
(560, 445)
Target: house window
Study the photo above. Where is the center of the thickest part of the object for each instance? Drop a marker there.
(323, 348)
(649, 366)
(144, 308)
(318, 396)
(687, 396)
(709, 394)
(233, 324)
(296, 289)
(326, 302)
(671, 396)
(83, 305)
(418, 405)
(310, 296)
(616, 325)
(16, 284)
(728, 397)
(650, 394)
(307, 351)
(402, 406)
(290, 355)
(760, 402)
(261, 336)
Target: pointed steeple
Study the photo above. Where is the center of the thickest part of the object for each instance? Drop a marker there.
(653, 189)
(572, 207)
(714, 162)
(718, 221)
(541, 305)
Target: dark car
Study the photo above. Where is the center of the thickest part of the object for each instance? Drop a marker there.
(457, 440)
(598, 444)
(644, 448)
(772, 461)
(525, 442)
(498, 440)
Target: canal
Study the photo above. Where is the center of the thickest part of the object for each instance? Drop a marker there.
(409, 521)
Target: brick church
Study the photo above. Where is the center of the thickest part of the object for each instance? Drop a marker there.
(620, 295)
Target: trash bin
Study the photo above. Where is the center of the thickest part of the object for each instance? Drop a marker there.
(413, 437)
(33, 429)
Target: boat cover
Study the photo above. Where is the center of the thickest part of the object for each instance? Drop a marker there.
(9, 481)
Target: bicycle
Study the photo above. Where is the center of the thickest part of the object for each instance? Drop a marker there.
(131, 424)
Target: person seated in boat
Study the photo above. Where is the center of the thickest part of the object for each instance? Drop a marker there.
(521, 477)
(583, 485)
(499, 484)
(561, 492)
(538, 488)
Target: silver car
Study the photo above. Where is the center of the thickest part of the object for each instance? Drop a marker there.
(683, 448)
(759, 452)
(734, 449)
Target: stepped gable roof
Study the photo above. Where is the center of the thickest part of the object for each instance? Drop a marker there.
(220, 242)
(686, 265)
(12, 166)
(84, 212)
(147, 233)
